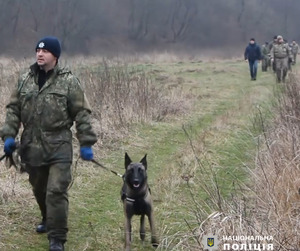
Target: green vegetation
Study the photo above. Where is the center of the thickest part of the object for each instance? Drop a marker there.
(208, 143)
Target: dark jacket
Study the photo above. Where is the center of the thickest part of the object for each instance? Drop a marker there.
(252, 52)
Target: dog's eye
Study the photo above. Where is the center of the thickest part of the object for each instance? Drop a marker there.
(140, 170)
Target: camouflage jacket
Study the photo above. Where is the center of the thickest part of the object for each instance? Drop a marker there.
(270, 45)
(295, 48)
(280, 51)
(47, 116)
(265, 50)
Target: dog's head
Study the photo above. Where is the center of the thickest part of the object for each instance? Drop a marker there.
(136, 173)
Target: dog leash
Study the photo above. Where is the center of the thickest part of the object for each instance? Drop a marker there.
(12, 161)
(94, 161)
(2, 157)
(107, 169)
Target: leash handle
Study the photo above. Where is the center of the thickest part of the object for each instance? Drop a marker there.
(104, 167)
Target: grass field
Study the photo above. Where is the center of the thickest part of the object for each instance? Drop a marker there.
(199, 155)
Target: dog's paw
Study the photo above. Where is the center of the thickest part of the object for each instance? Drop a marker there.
(154, 243)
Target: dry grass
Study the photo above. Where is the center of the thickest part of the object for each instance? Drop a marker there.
(120, 95)
(196, 193)
(268, 204)
(278, 171)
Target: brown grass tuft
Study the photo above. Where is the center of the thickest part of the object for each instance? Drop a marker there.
(268, 205)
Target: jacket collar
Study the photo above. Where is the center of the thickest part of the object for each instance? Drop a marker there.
(35, 69)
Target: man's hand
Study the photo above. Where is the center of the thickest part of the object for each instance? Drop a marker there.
(9, 146)
(86, 153)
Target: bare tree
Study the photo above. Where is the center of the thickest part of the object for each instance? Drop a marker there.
(69, 22)
(37, 13)
(183, 14)
(99, 25)
(5, 15)
(138, 20)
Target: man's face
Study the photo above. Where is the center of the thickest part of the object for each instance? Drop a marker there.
(252, 41)
(280, 40)
(45, 58)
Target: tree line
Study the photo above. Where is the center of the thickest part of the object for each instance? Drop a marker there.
(99, 26)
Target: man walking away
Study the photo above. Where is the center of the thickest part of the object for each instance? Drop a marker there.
(252, 55)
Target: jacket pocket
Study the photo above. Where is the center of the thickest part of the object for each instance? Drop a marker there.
(57, 146)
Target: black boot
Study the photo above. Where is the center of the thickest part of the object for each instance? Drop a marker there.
(41, 228)
(56, 245)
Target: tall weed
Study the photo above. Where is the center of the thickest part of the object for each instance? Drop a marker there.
(267, 203)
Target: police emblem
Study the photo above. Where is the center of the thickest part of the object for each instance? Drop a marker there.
(210, 242)
(41, 45)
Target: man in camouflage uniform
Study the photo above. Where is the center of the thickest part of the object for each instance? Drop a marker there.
(281, 54)
(272, 63)
(294, 48)
(47, 101)
(265, 56)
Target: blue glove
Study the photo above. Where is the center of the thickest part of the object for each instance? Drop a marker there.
(86, 153)
(9, 146)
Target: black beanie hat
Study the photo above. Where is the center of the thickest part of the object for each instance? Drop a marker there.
(50, 44)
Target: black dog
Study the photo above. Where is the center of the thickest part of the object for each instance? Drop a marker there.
(136, 199)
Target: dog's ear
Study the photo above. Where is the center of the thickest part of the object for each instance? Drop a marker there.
(144, 161)
(127, 160)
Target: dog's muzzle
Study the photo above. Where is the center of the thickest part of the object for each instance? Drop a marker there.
(136, 184)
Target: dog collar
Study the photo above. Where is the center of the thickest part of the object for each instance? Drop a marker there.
(130, 200)
(133, 200)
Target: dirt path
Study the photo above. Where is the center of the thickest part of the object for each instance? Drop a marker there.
(224, 99)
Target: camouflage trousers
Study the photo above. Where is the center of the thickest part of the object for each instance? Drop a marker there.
(265, 63)
(282, 66)
(50, 188)
(294, 57)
